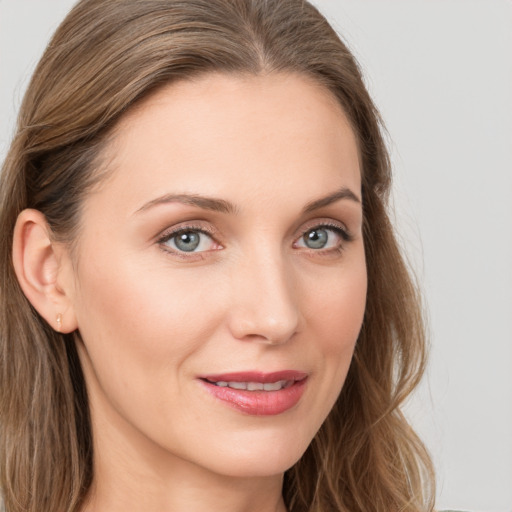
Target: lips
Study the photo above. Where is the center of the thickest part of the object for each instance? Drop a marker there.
(257, 393)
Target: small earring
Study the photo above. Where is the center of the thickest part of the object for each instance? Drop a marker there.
(59, 322)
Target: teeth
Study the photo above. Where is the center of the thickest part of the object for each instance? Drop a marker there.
(274, 386)
(255, 386)
(237, 385)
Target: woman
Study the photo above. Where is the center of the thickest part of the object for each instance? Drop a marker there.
(203, 303)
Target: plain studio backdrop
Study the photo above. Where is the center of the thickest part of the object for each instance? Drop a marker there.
(440, 72)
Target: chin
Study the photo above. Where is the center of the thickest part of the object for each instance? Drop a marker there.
(260, 458)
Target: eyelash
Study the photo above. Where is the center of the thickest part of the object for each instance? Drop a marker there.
(175, 232)
(342, 232)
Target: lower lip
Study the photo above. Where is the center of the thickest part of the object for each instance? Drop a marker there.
(259, 403)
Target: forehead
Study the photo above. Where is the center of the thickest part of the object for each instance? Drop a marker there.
(230, 135)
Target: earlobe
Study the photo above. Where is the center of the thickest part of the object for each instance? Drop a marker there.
(38, 263)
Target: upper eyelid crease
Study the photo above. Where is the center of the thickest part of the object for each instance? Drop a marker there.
(174, 231)
(168, 235)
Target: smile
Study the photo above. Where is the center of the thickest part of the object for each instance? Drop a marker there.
(255, 393)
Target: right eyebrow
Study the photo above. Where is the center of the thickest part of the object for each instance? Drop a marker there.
(343, 193)
(204, 202)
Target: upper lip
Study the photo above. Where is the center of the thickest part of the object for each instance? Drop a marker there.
(255, 376)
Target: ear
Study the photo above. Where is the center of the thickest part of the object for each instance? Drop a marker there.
(44, 270)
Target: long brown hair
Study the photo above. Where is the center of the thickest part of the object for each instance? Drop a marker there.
(106, 56)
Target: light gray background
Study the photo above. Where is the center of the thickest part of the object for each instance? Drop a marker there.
(441, 73)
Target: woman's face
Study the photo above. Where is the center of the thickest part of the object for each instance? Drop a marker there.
(221, 282)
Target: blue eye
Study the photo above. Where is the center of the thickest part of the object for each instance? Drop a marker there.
(316, 238)
(189, 240)
(323, 237)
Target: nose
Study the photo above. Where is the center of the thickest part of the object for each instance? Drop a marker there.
(264, 305)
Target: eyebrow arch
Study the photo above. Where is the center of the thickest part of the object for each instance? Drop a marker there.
(344, 193)
(206, 203)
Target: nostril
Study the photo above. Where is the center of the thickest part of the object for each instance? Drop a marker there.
(263, 331)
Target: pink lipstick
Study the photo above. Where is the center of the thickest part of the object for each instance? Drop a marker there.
(257, 393)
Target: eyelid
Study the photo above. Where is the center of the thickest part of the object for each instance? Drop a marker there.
(338, 227)
(185, 226)
(175, 230)
(206, 229)
(326, 224)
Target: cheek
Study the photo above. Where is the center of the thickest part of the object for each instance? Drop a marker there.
(142, 317)
(334, 305)
(335, 316)
(337, 308)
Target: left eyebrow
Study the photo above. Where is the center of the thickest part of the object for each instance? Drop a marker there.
(203, 202)
(344, 193)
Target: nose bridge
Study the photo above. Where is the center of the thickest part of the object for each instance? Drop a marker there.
(264, 305)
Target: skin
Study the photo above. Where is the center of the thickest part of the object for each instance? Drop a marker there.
(253, 297)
